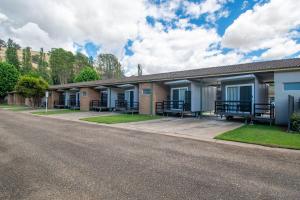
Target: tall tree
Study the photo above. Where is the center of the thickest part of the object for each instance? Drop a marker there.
(2, 44)
(81, 61)
(26, 61)
(43, 69)
(109, 66)
(9, 76)
(11, 53)
(62, 66)
(87, 74)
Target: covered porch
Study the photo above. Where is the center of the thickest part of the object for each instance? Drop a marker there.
(249, 96)
(67, 99)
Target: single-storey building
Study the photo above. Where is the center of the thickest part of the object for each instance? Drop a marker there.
(258, 90)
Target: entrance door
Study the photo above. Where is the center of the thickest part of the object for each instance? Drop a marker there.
(178, 94)
(246, 97)
(103, 98)
(240, 98)
(129, 97)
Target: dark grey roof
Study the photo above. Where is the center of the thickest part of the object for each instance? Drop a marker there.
(266, 66)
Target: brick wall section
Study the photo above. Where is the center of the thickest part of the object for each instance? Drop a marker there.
(53, 98)
(10, 99)
(91, 94)
(159, 93)
(19, 100)
(144, 100)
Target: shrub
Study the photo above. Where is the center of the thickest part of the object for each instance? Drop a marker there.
(32, 88)
(295, 122)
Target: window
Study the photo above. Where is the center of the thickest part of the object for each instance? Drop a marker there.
(292, 86)
(147, 91)
(84, 93)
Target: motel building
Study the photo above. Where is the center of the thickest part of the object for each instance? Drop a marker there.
(261, 91)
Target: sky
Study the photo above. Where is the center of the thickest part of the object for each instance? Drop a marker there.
(161, 35)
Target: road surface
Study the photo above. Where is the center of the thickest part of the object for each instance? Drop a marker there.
(43, 158)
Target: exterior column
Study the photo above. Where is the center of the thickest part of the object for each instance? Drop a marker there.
(149, 94)
(53, 97)
(87, 95)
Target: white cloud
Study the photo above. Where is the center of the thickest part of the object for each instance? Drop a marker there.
(267, 26)
(109, 23)
(207, 6)
(3, 18)
(282, 50)
(179, 49)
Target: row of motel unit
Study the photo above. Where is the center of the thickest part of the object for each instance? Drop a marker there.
(259, 90)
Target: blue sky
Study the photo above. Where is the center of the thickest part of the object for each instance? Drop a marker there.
(162, 35)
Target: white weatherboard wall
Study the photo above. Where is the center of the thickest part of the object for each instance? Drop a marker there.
(281, 96)
(195, 96)
(112, 96)
(208, 98)
(202, 97)
(261, 92)
(67, 97)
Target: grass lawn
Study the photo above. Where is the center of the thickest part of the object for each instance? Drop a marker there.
(121, 118)
(14, 107)
(272, 136)
(54, 112)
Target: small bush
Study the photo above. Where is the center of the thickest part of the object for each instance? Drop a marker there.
(295, 122)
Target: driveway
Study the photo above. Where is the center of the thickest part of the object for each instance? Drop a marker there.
(58, 159)
(205, 128)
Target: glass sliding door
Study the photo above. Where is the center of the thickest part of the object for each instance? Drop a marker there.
(239, 98)
(178, 95)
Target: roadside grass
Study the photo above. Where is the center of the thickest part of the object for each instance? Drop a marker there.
(120, 118)
(272, 136)
(14, 107)
(54, 112)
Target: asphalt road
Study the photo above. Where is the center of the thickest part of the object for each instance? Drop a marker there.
(43, 158)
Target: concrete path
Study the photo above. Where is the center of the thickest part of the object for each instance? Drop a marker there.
(59, 159)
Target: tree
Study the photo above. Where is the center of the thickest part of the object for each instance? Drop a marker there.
(81, 61)
(26, 61)
(32, 88)
(11, 53)
(9, 76)
(109, 66)
(2, 43)
(43, 69)
(62, 66)
(87, 74)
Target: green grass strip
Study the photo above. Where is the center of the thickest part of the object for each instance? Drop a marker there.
(272, 136)
(54, 112)
(120, 118)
